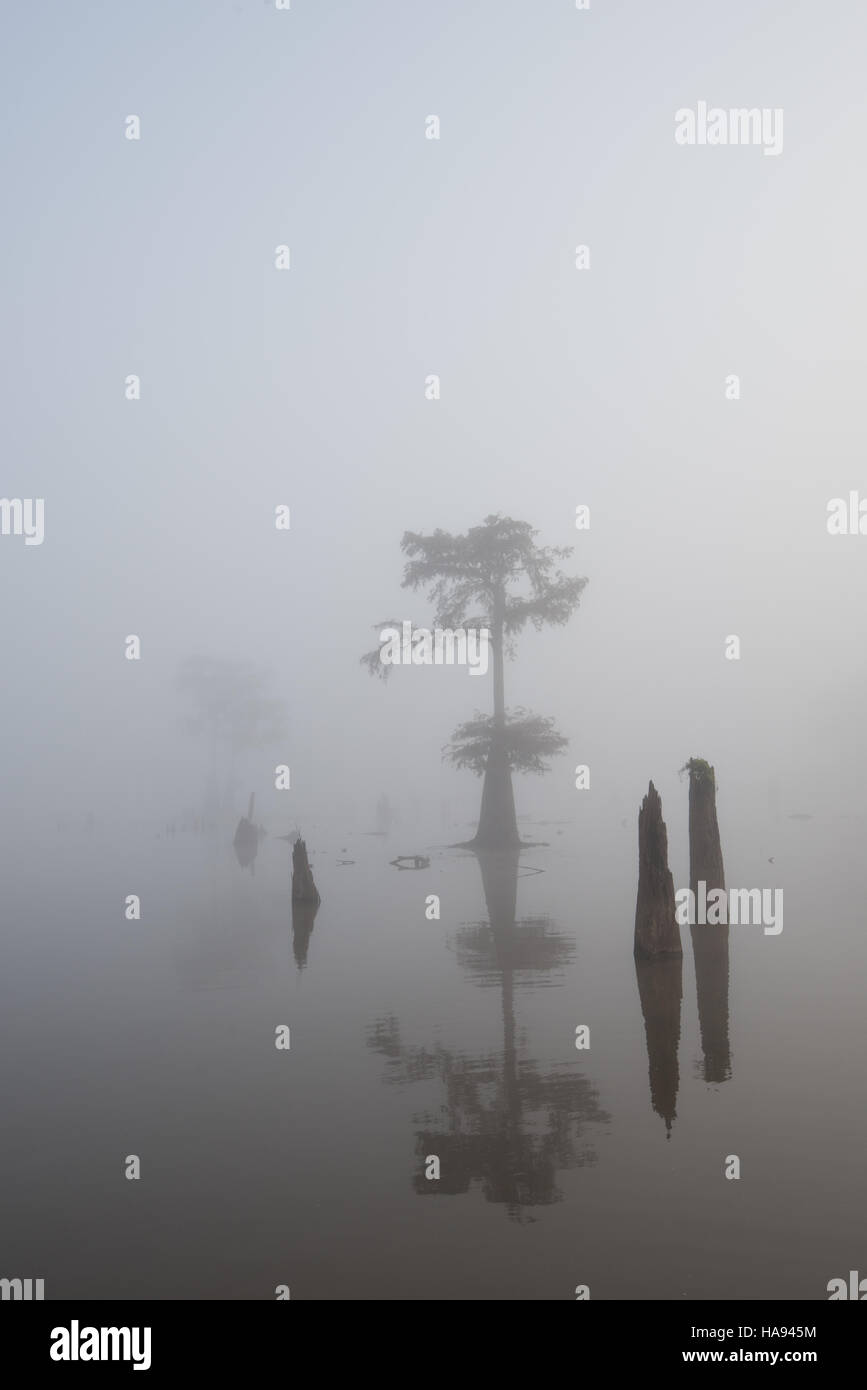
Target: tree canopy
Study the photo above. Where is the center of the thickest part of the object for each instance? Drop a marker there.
(528, 739)
(470, 580)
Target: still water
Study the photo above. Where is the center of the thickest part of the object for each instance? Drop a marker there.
(413, 1037)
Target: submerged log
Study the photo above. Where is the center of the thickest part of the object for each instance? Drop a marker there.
(656, 929)
(304, 890)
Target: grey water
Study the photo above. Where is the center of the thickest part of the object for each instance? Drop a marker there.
(410, 1037)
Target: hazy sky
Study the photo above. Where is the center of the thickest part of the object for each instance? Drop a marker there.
(408, 257)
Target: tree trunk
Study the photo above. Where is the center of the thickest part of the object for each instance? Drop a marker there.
(498, 618)
(498, 822)
(656, 929)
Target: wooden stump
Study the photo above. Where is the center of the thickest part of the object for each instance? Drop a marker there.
(656, 929)
(304, 890)
(705, 851)
(710, 944)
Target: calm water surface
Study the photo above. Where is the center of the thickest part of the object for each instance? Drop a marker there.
(412, 1038)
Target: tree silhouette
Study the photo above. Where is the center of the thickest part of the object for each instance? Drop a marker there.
(470, 580)
(230, 708)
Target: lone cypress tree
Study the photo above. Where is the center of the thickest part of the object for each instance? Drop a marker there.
(495, 577)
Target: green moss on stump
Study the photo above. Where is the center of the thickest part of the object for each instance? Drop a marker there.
(699, 770)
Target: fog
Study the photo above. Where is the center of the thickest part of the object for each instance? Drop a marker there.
(306, 388)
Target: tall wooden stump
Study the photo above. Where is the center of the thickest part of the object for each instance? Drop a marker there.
(705, 852)
(710, 944)
(656, 929)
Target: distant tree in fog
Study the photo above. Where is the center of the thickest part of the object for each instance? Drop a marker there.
(231, 709)
(469, 579)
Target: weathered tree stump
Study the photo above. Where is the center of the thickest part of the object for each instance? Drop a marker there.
(656, 929)
(710, 944)
(304, 890)
(705, 852)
